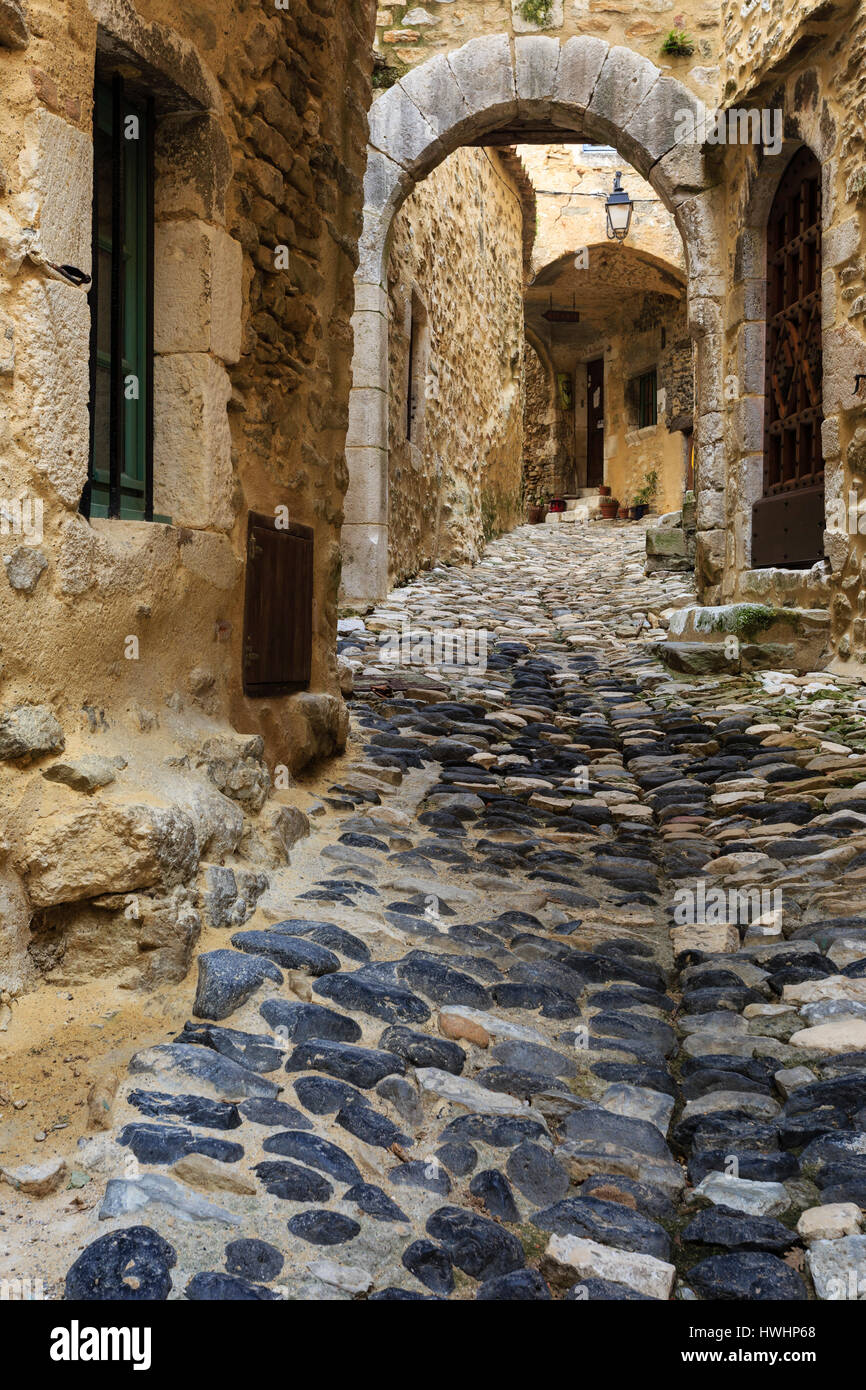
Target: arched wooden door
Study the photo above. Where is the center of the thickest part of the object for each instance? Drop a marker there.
(788, 521)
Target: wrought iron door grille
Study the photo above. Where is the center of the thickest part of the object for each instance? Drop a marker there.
(788, 521)
(792, 411)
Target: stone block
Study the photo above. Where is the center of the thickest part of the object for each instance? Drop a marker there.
(651, 131)
(13, 25)
(832, 1221)
(624, 82)
(844, 357)
(386, 183)
(580, 62)
(485, 76)
(681, 173)
(193, 482)
(197, 290)
(105, 848)
(367, 495)
(52, 382)
(840, 243)
(368, 418)
(57, 167)
(365, 563)
(569, 1259)
(662, 541)
(435, 91)
(701, 936)
(536, 63)
(399, 130)
(370, 357)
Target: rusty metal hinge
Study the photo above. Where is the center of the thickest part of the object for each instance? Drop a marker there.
(249, 655)
(254, 550)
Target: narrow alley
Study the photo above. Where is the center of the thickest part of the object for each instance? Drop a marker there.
(485, 1038)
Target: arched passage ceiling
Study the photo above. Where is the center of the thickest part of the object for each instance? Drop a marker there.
(615, 281)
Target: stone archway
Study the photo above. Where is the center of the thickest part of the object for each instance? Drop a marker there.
(609, 95)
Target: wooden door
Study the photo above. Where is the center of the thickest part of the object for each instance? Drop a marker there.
(788, 522)
(595, 422)
(278, 607)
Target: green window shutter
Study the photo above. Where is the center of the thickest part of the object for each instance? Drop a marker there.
(120, 479)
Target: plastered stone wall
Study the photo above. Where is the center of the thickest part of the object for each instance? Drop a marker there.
(252, 367)
(571, 185)
(457, 250)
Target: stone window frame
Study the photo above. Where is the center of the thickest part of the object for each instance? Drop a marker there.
(747, 319)
(197, 273)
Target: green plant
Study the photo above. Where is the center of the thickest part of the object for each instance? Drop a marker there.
(645, 495)
(537, 12)
(678, 44)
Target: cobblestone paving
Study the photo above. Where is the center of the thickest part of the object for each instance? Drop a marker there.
(506, 1040)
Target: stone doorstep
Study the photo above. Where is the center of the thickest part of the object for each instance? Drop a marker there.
(766, 638)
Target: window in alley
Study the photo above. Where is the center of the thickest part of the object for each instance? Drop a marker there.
(647, 399)
(120, 475)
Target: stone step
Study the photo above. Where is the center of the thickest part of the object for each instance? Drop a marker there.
(747, 636)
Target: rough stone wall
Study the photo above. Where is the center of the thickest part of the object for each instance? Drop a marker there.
(821, 97)
(540, 450)
(759, 37)
(457, 248)
(409, 34)
(252, 378)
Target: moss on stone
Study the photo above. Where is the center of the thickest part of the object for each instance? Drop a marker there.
(537, 12)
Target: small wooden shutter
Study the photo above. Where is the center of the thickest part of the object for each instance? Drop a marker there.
(788, 522)
(278, 607)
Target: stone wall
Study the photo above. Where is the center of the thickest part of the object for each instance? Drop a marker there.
(456, 270)
(122, 640)
(821, 99)
(410, 34)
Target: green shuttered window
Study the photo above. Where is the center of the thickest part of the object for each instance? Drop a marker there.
(120, 478)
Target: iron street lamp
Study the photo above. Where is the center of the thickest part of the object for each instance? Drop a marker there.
(618, 207)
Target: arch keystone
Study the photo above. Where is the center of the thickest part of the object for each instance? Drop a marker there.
(536, 65)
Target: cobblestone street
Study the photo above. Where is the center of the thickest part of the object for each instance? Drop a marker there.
(495, 1033)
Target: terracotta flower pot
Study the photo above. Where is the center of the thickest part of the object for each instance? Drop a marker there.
(603, 490)
(609, 508)
(534, 515)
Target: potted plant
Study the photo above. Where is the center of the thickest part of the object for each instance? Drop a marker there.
(603, 490)
(609, 506)
(536, 508)
(645, 495)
